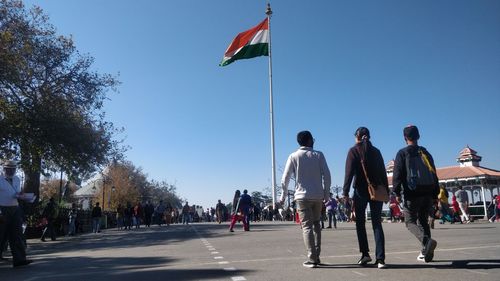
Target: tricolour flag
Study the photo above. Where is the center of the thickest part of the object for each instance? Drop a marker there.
(248, 44)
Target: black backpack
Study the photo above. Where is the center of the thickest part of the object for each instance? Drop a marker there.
(420, 174)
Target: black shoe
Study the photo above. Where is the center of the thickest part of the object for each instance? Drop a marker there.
(43, 239)
(364, 259)
(429, 250)
(22, 263)
(380, 263)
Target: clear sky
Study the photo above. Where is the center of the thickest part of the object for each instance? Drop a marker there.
(337, 65)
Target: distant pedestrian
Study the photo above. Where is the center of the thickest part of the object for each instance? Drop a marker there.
(72, 216)
(160, 213)
(463, 203)
(148, 213)
(185, 213)
(331, 207)
(245, 207)
(495, 205)
(236, 210)
(96, 218)
(50, 214)
(219, 211)
(456, 209)
(365, 164)
(120, 214)
(128, 213)
(312, 187)
(415, 175)
(444, 207)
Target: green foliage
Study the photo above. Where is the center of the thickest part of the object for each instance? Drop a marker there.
(51, 99)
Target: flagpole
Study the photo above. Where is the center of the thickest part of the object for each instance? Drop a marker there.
(269, 12)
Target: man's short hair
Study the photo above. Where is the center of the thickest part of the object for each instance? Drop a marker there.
(304, 138)
(411, 133)
(245, 191)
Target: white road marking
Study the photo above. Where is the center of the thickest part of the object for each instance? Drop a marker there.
(230, 269)
(477, 272)
(358, 273)
(223, 262)
(214, 253)
(219, 258)
(238, 278)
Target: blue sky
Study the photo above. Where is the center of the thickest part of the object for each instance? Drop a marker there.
(337, 65)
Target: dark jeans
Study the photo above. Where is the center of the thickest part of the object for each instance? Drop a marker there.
(331, 216)
(416, 212)
(360, 204)
(12, 231)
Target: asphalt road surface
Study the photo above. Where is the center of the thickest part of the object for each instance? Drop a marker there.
(270, 251)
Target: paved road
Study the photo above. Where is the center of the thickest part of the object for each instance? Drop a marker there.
(271, 251)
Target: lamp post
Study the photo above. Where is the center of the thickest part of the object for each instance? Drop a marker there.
(60, 188)
(110, 195)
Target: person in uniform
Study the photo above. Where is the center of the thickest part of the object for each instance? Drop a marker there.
(11, 228)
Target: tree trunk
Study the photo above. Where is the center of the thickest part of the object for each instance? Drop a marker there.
(31, 163)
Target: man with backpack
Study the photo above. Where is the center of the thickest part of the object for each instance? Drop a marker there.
(415, 176)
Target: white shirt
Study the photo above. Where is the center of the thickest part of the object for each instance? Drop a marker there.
(311, 173)
(8, 192)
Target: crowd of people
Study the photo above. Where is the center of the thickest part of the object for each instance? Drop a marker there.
(416, 199)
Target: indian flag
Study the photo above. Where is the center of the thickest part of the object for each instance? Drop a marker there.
(248, 44)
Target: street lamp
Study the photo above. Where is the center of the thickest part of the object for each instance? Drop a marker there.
(110, 195)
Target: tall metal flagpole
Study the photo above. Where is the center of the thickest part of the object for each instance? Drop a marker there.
(269, 12)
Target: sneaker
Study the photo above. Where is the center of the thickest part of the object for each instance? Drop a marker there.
(380, 264)
(429, 250)
(309, 264)
(231, 230)
(421, 257)
(364, 260)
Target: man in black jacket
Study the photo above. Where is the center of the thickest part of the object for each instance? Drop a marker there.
(420, 189)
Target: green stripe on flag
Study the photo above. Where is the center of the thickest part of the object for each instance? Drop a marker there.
(248, 52)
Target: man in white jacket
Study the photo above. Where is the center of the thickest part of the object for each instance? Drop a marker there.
(11, 228)
(312, 188)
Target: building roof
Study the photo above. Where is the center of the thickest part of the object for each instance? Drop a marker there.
(91, 187)
(465, 172)
(468, 154)
(456, 172)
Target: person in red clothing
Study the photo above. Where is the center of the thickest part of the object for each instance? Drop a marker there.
(456, 209)
(395, 210)
(237, 213)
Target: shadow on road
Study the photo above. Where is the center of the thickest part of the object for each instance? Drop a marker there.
(450, 264)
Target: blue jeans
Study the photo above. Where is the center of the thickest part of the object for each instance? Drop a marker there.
(331, 216)
(96, 224)
(360, 203)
